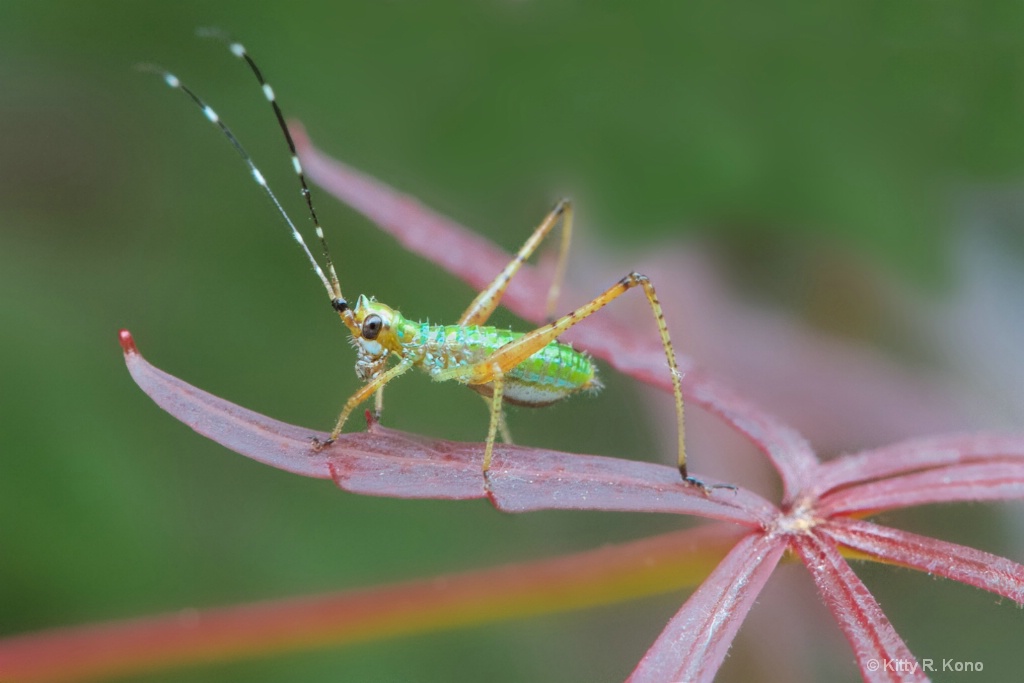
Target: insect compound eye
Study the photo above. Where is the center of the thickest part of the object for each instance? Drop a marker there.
(371, 327)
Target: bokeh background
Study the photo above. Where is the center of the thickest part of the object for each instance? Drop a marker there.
(853, 170)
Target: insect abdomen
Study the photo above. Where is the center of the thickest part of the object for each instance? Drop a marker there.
(548, 376)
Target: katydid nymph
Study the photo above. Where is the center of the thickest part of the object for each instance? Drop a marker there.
(520, 368)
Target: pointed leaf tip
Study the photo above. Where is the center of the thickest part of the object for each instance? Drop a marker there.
(127, 343)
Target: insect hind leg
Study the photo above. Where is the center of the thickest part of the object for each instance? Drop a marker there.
(487, 300)
(515, 352)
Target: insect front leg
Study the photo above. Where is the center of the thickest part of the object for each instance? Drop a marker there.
(367, 390)
(487, 300)
(378, 404)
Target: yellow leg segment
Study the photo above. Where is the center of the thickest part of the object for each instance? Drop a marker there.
(367, 390)
(496, 418)
(506, 435)
(487, 300)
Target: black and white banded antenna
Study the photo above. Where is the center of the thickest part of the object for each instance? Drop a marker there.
(238, 50)
(331, 285)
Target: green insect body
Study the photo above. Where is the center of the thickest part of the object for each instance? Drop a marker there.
(549, 375)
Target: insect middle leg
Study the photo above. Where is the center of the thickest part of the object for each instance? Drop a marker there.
(506, 436)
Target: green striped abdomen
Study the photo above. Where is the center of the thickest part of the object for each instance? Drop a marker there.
(548, 376)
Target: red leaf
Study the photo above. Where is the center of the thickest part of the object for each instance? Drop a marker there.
(787, 450)
(960, 563)
(386, 462)
(547, 480)
(881, 653)
(268, 441)
(696, 640)
(999, 480)
(916, 454)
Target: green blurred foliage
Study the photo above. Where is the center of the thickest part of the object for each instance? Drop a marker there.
(770, 128)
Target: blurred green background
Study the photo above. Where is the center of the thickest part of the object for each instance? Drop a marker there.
(770, 130)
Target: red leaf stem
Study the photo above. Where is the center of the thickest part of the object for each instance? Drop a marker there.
(595, 577)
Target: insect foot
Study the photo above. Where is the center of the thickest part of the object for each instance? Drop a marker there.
(319, 444)
(705, 487)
